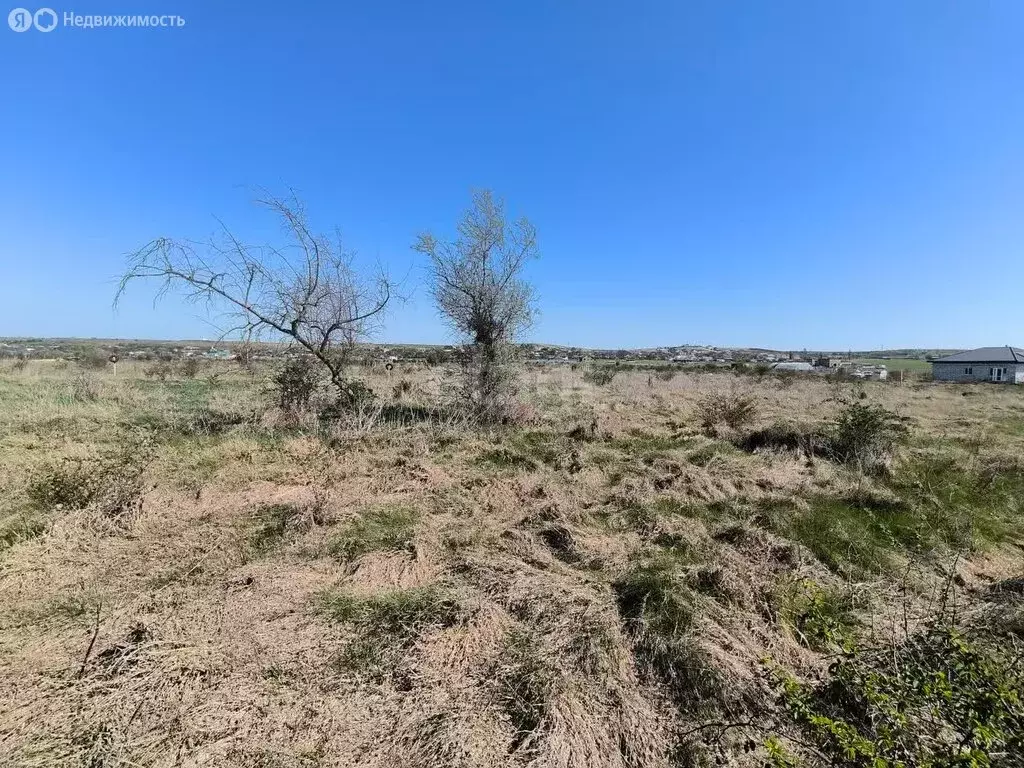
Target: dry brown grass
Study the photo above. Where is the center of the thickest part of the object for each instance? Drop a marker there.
(193, 637)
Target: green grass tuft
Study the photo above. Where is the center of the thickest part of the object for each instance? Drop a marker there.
(658, 611)
(20, 527)
(386, 529)
(504, 458)
(647, 447)
(387, 624)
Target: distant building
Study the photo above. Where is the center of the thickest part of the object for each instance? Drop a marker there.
(1004, 365)
(873, 372)
(793, 366)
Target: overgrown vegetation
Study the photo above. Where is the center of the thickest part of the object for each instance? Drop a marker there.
(611, 579)
(93, 359)
(599, 375)
(944, 696)
(522, 680)
(820, 618)
(295, 384)
(866, 435)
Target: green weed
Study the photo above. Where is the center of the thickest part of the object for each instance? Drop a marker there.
(820, 618)
(944, 697)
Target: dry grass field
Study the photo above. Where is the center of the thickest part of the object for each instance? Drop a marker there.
(191, 577)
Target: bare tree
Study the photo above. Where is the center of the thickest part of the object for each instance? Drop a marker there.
(477, 283)
(306, 291)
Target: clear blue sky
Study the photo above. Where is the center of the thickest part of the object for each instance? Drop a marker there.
(775, 173)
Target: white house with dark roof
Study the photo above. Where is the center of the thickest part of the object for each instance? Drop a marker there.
(1004, 365)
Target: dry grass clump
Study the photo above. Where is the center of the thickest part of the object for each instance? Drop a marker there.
(386, 624)
(523, 683)
(273, 522)
(111, 483)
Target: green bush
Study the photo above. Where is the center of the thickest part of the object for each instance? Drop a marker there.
(866, 435)
(295, 384)
(93, 359)
(941, 698)
(71, 484)
(354, 397)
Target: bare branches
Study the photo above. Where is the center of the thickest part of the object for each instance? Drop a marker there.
(307, 291)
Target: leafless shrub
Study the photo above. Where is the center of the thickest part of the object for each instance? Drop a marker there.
(190, 367)
(245, 356)
(733, 410)
(159, 370)
(599, 375)
(307, 291)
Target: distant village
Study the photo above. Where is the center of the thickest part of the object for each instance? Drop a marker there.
(725, 356)
(695, 355)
